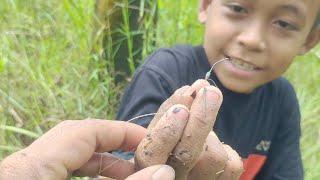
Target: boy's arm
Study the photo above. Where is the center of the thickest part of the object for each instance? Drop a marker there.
(284, 158)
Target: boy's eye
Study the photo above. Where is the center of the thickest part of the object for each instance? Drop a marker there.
(237, 8)
(286, 25)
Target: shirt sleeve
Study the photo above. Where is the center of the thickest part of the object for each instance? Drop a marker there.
(284, 158)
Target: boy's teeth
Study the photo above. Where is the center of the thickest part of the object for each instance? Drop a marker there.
(242, 65)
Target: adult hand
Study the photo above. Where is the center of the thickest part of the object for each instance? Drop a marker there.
(76, 148)
(190, 146)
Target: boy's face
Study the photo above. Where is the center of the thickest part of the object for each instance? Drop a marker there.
(261, 38)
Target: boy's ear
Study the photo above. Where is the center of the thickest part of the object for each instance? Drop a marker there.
(311, 41)
(202, 14)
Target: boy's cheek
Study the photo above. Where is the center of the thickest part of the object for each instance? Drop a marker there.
(216, 39)
(281, 59)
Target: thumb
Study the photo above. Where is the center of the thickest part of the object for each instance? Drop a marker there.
(157, 172)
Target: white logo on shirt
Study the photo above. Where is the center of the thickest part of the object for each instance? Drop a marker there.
(263, 146)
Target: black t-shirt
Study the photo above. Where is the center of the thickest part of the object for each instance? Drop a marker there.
(263, 126)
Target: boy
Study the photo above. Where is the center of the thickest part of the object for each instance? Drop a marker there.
(259, 116)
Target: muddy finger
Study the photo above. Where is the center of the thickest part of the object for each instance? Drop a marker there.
(156, 147)
(180, 96)
(200, 83)
(203, 113)
(211, 161)
(184, 95)
(234, 166)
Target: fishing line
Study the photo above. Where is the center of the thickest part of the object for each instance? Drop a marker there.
(208, 74)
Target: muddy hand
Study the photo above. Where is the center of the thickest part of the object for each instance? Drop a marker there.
(203, 113)
(178, 135)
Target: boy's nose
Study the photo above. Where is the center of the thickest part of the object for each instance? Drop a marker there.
(252, 37)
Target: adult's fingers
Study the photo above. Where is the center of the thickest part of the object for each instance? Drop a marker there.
(180, 96)
(202, 116)
(200, 83)
(234, 166)
(160, 141)
(156, 172)
(71, 144)
(107, 165)
(211, 161)
(183, 95)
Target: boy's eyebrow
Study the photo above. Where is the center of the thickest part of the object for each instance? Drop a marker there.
(294, 9)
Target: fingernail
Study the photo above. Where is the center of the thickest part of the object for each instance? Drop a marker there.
(164, 173)
(211, 93)
(176, 110)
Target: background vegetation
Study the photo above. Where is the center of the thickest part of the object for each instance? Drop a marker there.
(52, 68)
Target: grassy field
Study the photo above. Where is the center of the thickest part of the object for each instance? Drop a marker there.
(50, 72)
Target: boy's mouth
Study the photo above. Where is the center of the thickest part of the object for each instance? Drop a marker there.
(241, 64)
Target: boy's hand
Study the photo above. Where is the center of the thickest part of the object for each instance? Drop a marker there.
(190, 146)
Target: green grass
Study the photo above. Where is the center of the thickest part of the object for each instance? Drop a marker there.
(49, 71)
